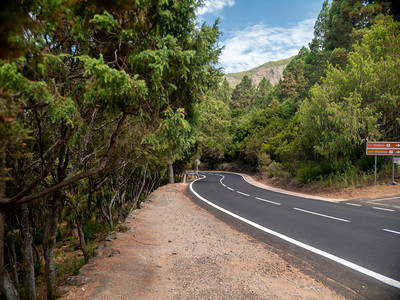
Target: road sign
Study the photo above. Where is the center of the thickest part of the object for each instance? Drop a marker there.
(383, 148)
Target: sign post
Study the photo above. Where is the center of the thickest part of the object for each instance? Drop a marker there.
(392, 170)
(197, 166)
(376, 159)
(386, 149)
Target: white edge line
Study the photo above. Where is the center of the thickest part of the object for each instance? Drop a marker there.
(223, 184)
(381, 208)
(365, 271)
(269, 201)
(353, 204)
(244, 194)
(392, 231)
(229, 188)
(383, 199)
(321, 215)
(282, 191)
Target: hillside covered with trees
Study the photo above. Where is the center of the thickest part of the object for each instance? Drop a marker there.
(103, 101)
(335, 95)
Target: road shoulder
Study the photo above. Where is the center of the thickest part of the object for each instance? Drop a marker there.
(174, 249)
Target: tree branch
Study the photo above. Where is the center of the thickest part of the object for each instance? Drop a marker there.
(45, 172)
(25, 199)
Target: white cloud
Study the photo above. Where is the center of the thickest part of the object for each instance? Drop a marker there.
(214, 6)
(258, 44)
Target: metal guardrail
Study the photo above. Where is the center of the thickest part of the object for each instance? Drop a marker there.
(190, 172)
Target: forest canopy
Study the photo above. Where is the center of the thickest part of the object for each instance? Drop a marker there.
(98, 98)
(335, 95)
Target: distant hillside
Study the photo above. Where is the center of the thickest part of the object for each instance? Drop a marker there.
(272, 71)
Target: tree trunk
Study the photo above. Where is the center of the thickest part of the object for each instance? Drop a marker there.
(27, 255)
(50, 267)
(82, 240)
(171, 173)
(10, 292)
(13, 258)
(2, 218)
(2, 224)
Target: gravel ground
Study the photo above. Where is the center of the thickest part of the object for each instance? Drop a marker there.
(173, 249)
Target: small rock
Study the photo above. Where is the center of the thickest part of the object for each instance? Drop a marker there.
(123, 228)
(114, 252)
(78, 280)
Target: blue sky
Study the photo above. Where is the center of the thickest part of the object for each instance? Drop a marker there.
(259, 31)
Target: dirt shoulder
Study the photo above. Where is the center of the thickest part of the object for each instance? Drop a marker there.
(315, 190)
(173, 249)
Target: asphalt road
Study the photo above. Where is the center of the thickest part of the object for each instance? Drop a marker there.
(357, 243)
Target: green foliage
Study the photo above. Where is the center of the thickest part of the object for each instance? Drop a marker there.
(115, 89)
(59, 234)
(243, 95)
(353, 105)
(90, 228)
(71, 265)
(308, 173)
(174, 135)
(332, 99)
(213, 129)
(99, 98)
(104, 22)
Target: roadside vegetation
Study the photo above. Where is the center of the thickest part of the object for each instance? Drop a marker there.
(101, 103)
(98, 104)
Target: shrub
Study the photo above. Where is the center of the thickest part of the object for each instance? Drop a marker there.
(308, 173)
(90, 229)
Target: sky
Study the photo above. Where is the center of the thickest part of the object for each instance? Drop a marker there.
(258, 31)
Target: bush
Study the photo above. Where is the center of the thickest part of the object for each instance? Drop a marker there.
(264, 160)
(59, 234)
(90, 229)
(308, 173)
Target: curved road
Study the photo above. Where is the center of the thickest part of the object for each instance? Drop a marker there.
(361, 238)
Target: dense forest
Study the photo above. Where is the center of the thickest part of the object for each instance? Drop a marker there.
(335, 95)
(101, 102)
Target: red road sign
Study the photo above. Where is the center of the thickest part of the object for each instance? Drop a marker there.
(383, 148)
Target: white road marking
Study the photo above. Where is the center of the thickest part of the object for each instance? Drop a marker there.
(321, 215)
(244, 194)
(353, 204)
(229, 188)
(268, 201)
(370, 273)
(381, 208)
(224, 185)
(383, 199)
(392, 231)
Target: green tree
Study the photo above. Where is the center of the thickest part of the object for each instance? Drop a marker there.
(360, 102)
(213, 129)
(89, 70)
(263, 90)
(243, 95)
(224, 91)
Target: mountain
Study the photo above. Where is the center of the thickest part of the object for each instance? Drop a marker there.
(272, 71)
